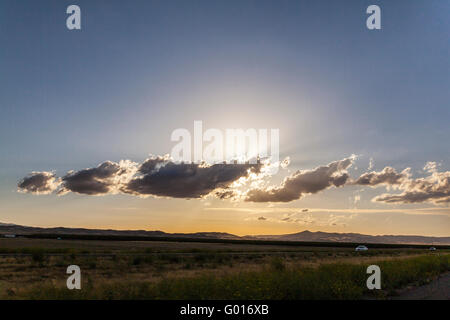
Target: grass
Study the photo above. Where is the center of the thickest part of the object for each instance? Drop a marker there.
(276, 279)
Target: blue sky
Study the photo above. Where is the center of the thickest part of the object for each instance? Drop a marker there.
(140, 69)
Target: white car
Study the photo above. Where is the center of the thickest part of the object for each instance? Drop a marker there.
(361, 248)
(432, 249)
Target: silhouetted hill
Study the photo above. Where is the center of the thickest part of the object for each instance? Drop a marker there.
(8, 228)
(307, 236)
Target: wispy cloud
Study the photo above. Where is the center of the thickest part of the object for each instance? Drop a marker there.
(265, 210)
(307, 218)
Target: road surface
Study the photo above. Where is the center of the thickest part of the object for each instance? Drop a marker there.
(438, 289)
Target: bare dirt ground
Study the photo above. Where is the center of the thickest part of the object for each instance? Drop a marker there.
(438, 289)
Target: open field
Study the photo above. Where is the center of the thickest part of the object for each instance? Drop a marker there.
(36, 268)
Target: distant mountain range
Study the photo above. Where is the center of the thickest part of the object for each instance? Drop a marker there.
(354, 238)
(8, 228)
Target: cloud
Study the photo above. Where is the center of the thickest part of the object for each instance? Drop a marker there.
(371, 164)
(153, 163)
(159, 176)
(156, 176)
(39, 183)
(187, 180)
(318, 219)
(438, 211)
(388, 176)
(225, 194)
(434, 188)
(285, 163)
(431, 167)
(304, 182)
(108, 177)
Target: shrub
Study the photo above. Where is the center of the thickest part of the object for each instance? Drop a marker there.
(277, 264)
(137, 260)
(38, 256)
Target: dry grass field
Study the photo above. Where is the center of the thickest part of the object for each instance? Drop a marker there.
(36, 268)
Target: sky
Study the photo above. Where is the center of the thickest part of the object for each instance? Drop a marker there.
(355, 108)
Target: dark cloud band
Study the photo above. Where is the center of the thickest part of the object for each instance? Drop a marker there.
(39, 183)
(156, 176)
(304, 182)
(160, 177)
(187, 180)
